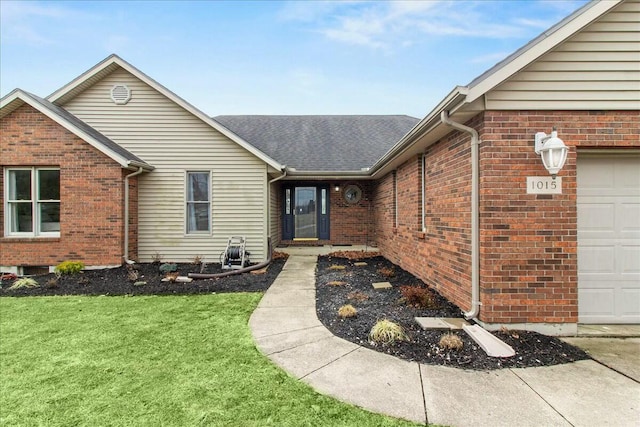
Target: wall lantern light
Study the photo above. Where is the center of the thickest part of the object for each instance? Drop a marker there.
(552, 151)
(336, 188)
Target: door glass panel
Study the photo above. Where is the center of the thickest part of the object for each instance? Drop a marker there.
(305, 213)
(288, 201)
(324, 201)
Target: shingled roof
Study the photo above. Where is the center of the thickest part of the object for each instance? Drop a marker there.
(321, 143)
(18, 97)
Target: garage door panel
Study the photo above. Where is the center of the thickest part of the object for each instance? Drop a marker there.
(629, 213)
(596, 260)
(596, 217)
(629, 265)
(627, 174)
(629, 302)
(608, 204)
(598, 302)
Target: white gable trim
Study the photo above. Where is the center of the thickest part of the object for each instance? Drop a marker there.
(106, 66)
(18, 97)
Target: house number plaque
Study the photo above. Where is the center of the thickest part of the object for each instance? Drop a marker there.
(544, 185)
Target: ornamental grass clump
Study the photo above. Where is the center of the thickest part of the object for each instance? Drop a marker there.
(68, 268)
(387, 332)
(450, 341)
(24, 282)
(347, 311)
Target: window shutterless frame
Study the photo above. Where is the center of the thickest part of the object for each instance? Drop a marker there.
(197, 202)
(32, 202)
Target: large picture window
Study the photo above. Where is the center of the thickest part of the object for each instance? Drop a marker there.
(33, 202)
(198, 202)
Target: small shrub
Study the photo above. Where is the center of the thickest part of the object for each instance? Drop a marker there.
(157, 258)
(336, 283)
(52, 283)
(337, 267)
(347, 311)
(132, 274)
(83, 281)
(386, 272)
(172, 276)
(387, 332)
(450, 342)
(354, 255)
(418, 296)
(68, 268)
(357, 296)
(279, 255)
(168, 268)
(24, 282)
(197, 260)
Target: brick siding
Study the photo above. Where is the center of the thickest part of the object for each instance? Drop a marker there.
(91, 194)
(528, 255)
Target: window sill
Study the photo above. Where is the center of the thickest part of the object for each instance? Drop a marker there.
(22, 239)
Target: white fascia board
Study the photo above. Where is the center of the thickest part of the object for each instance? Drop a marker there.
(544, 43)
(115, 59)
(21, 96)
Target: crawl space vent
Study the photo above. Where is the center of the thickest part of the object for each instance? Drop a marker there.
(120, 94)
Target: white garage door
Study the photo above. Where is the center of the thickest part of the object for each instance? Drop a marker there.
(609, 239)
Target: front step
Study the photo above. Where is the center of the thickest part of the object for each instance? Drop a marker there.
(493, 346)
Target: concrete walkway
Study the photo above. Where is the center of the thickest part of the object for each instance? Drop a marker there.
(287, 330)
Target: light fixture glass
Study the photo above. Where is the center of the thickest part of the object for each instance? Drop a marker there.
(552, 151)
(336, 188)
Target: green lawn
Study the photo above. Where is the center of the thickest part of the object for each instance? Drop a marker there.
(150, 361)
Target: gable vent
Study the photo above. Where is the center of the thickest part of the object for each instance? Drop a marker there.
(120, 94)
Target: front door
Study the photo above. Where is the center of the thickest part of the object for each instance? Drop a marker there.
(306, 212)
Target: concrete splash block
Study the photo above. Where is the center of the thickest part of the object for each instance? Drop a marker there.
(441, 323)
(488, 342)
(360, 264)
(381, 285)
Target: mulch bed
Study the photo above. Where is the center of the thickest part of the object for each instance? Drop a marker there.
(532, 349)
(117, 281)
(352, 285)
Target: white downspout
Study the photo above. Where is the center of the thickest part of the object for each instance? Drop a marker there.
(475, 209)
(126, 215)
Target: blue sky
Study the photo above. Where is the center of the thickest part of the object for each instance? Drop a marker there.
(270, 57)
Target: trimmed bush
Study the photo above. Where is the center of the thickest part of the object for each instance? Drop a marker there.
(69, 268)
(347, 311)
(450, 342)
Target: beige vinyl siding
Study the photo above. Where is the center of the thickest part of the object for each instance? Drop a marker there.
(274, 220)
(174, 141)
(596, 69)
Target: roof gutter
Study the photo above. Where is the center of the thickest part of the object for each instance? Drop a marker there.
(475, 235)
(292, 172)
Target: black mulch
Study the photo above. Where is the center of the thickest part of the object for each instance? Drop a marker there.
(117, 281)
(532, 349)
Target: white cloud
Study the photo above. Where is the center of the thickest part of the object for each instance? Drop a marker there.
(385, 25)
(491, 58)
(31, 22)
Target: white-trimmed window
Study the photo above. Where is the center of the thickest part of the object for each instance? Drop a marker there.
(198, 201)
(32, 202)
